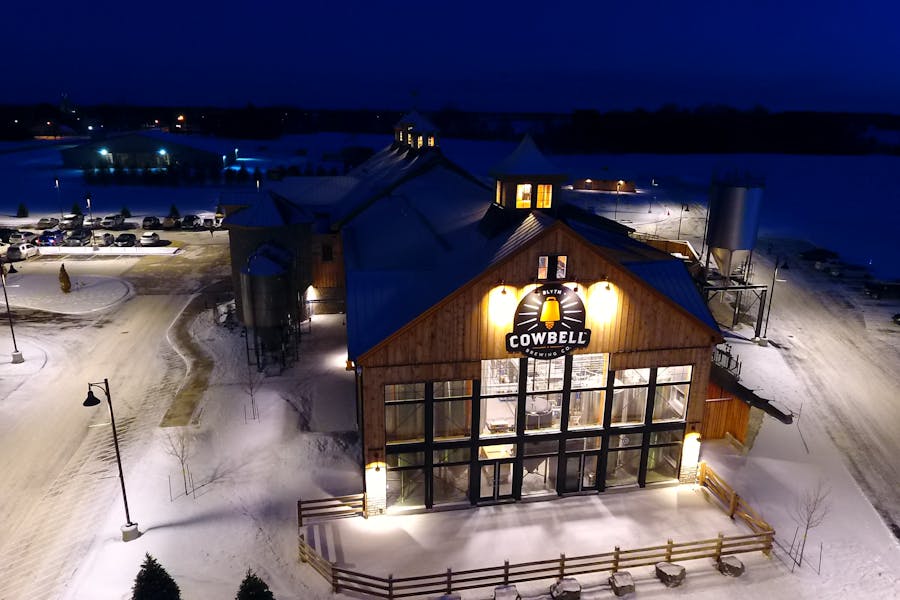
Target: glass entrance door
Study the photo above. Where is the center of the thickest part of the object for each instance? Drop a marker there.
(496, 480)
(581, 472)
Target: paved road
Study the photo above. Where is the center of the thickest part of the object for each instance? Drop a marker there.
(58, 474)
(847, 352)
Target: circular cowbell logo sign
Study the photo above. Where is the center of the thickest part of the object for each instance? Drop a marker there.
(549, 323)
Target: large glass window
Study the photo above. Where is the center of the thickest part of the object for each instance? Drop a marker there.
(670, 402)
(546, 375)
(539, 471)
(628, 406)
(451, 484)
(680, 374)
(405, 479)
(622, 467)
(544, 195)
(664, 455)
(543, 412)
(452, 409)
(498, 416)
(499, 376)
(404, 422)
(588, 371)
(523, 195)
(586, 409)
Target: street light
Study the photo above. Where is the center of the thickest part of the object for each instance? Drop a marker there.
(58, 199)
(772, 292)
(684, 208)
(87, 199)
(16, 355)
(129, 529)
(616, 213)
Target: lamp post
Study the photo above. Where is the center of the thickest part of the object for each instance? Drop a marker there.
(618, 187)
(130, 528)
(87, 200)
(772, 293)
(684, 208)
(58, 198)
(16, 355)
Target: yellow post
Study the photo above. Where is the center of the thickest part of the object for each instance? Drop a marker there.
(615, 566)
(669, 551)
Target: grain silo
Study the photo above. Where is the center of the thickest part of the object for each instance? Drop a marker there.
(734, 209)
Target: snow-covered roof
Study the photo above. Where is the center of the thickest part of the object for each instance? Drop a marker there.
(526, 160)
(267, 210)
(419, 123)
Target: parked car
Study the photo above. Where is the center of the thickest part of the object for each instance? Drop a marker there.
(151, 223)
(149, 238)
(22, 236)
(78, 237)
(47, 223)
(190, 222)
(897, 318)
(95, 223)
(126, 239)
(170, 223)
(21, 252)
(71, 221)
(882, 289)
(105, 239)
(50, 238)
(112, 221)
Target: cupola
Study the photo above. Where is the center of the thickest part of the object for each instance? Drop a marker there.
(526, 180)
(416, 132)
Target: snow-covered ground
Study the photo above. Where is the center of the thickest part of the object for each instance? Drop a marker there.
(247, 473)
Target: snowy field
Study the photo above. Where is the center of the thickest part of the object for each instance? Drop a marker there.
(246, 473)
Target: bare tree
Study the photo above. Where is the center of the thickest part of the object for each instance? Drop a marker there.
(179, 446)
(810, 510)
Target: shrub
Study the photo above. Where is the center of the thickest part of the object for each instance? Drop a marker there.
(254, 588)
(154, 583)
(22, 211)
(65, 284)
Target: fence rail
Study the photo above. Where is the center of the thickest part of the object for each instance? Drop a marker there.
(331, 508)
(391, 587)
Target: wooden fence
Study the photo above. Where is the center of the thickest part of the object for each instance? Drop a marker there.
(391, 587)
(331, 508)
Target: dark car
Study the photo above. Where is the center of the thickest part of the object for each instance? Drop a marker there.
(150, 223)
(171, 223)
(190, 222)
(50, 238)
(78, 237)
(126, 239)
(897, 318)
(47, 223)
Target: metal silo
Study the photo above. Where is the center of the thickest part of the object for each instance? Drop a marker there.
(265, 290)
(733, 223)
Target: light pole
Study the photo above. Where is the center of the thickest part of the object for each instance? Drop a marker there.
(616, 213)
(684, 208)
(129, 529)
(87, 199)
(772, 293)
(58, 198)
(16, 355)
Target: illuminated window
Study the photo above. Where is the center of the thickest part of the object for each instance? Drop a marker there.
(419, 142)
(544, 195)
(552, 267)
(404, 413)
(499, 187)
(523, 195)
(431, 140)
(402, 136)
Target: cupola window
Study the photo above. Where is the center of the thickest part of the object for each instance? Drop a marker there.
(523, 195)
(544, 195)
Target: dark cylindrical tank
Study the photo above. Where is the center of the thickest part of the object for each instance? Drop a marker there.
(733, 216)
(265, 287)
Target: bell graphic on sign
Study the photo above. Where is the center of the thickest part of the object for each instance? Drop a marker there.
(550, 312)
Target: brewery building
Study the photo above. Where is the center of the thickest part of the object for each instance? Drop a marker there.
(507, 345)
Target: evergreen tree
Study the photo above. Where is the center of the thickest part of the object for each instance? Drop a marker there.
(65, 284)
(154, 583)
(254, 588)
(22, 211)
(76, 209)
(125, 212)
(174, 213)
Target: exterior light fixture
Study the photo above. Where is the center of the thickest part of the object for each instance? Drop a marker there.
(161, 151)
(130, 528)
(103, 151)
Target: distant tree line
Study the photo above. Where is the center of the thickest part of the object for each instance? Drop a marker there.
(670, 129)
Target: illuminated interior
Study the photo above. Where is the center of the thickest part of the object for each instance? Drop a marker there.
(523, 195)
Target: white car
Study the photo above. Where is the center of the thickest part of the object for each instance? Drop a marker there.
(21, 252)
(19, 237)
(149, 238)
(113, 221)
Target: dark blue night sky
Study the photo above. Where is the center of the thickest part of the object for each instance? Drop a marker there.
(484, 55)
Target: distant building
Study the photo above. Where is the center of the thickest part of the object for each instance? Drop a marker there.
(147, 150)
(507, 345)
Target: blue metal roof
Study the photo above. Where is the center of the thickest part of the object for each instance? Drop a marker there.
(672, 279)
